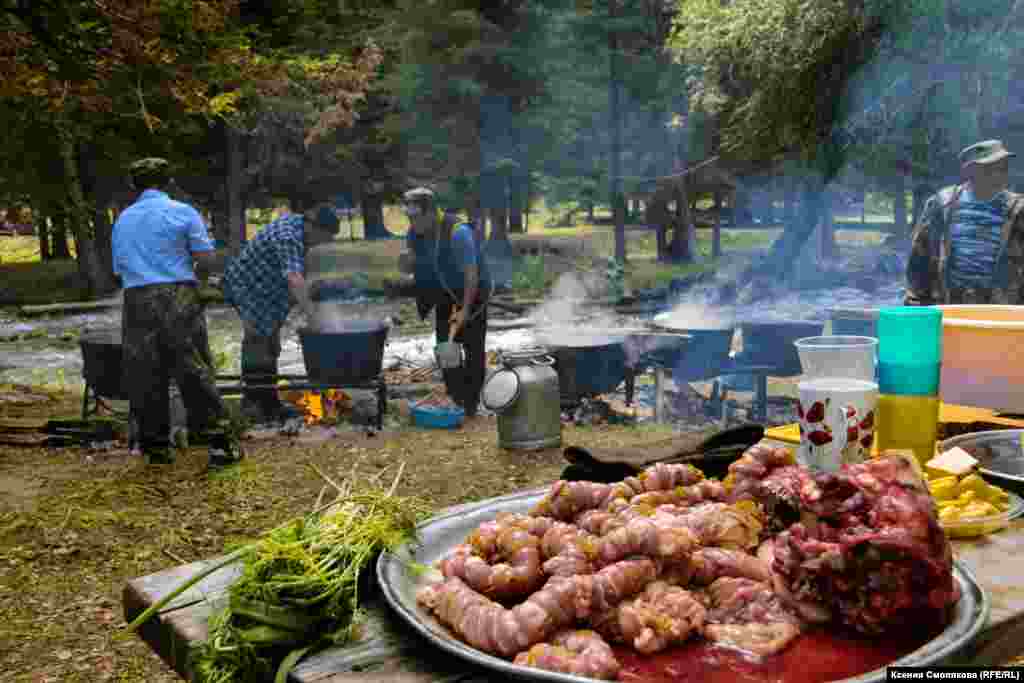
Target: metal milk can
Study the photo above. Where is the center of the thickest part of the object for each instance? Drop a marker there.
(524, 392)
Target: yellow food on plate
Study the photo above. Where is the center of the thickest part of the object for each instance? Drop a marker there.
(967, 504)
(944, 489)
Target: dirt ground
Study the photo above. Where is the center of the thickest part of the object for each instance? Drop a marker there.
(76, 525)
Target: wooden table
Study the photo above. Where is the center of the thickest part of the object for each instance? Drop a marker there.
(390, 650)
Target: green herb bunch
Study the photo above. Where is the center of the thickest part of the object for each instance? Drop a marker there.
(300, 585)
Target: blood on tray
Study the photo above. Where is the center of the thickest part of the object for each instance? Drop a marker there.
(817, 656)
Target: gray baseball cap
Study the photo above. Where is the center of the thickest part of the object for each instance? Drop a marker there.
(419, 194)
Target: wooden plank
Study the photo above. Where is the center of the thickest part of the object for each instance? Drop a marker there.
(182, 621)
(22, 439)
(997, 561)
(22, 424)
(72, 307)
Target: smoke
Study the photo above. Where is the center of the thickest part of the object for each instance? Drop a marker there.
(566, 304)
(333, 317)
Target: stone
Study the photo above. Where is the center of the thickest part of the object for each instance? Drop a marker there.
(364, 407)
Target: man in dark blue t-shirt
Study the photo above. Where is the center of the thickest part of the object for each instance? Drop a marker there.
(451, 276)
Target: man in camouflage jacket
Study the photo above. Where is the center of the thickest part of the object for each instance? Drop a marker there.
(968, 244)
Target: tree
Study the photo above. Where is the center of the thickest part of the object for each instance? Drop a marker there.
(838, 82)
(87, 65)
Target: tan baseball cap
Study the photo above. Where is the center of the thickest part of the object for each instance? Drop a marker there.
(985, 152)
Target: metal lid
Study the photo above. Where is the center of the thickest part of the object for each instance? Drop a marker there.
(501, 390)
(523, 356)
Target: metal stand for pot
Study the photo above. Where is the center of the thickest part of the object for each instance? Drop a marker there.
(302, 383)
(92, 400)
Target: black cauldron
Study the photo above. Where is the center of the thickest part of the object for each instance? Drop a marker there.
(102, 365)
(352, 354)
(587, 364)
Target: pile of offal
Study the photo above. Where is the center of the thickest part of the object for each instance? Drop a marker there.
(299, 588)
(653, 561)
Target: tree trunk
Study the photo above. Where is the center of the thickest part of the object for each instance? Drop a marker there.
(499, 224)
(234, 233)
(679, 250)
(615, 176)
(784, 251)
(827, 249)
(219, 221)
(103, 229)
(98, 282)
(716, 231)
(40, 220)
(517, 201)
(373, 218)
(60, 249)
(899, 204)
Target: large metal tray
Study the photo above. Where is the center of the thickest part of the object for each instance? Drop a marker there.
(400, 576)
(1000, 453)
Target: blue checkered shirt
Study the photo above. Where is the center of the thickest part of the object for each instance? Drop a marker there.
(256, 281)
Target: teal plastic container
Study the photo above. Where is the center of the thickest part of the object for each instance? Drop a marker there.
(909, 350)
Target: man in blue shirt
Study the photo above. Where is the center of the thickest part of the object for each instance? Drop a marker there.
(156, 242)
(261, 283)
(451, 276)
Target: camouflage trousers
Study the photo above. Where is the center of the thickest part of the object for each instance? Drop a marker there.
(975, 296)
(164, 329)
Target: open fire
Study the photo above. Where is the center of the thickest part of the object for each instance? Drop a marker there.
(319, 406)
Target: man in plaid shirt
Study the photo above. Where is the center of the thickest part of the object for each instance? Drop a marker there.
(261, 283)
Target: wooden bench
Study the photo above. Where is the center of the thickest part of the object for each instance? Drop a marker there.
(389, 650)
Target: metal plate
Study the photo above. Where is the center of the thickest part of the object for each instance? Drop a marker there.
(1000, 453)
(399, 583)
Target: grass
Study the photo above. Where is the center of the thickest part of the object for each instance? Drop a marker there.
(76, 525)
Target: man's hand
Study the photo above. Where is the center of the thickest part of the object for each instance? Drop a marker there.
(300, 292)
(207, 263)
(457, 321)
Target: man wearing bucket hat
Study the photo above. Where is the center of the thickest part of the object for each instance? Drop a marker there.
(156, 244)
(451, 276)
(262, 283)
(968, 244)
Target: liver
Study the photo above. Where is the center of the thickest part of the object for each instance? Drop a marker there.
(389, 650)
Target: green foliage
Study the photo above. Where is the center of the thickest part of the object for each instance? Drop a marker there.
(532, 275)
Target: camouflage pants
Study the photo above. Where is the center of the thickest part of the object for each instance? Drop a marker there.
(975, 296)
(165, 338)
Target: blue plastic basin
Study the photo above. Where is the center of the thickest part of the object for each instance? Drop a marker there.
(433, 417)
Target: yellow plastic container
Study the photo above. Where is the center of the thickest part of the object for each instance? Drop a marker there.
(981, 357)
(908, 422)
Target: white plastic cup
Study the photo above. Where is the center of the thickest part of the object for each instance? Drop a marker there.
(837, 422)
(838, 356)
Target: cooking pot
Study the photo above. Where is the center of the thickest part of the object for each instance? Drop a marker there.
(102, 366)
(353, 354)
(770, 344)
(704, 356)
(587, 364)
